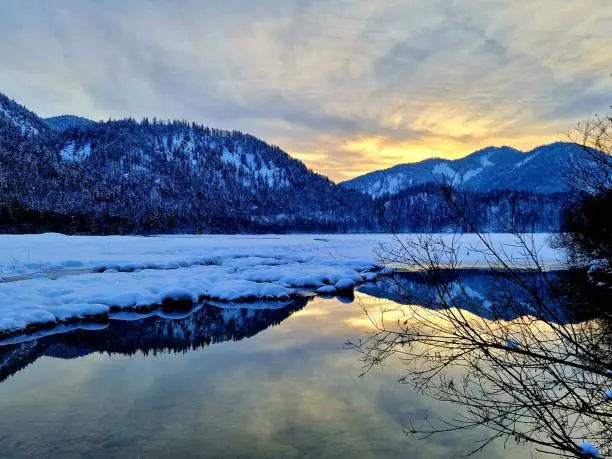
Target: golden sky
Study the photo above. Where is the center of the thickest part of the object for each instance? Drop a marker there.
(346, 86)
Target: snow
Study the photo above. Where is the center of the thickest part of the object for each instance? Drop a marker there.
(345, 284)
(472, 173)
(71, 153)
(19, 121)
(231, 158)
(51, 252)
(45, 301)
(52, 278)
(525, 161)
(598, 265)
(485, 161)
(445, 170)
(272, 175)
(589, 449)
(326, 290)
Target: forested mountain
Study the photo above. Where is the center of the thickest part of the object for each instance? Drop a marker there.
(63, 122)
(71, 174)
(425, 208)
(492, 168)
(164, 176)
(16, 119)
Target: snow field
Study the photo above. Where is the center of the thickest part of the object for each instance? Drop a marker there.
(115, 273)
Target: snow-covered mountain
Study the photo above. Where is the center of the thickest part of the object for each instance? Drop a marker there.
(21, 119)
(163, 176)
(70, 174)
(541, 170)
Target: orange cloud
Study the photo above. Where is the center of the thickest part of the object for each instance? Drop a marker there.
(347, 87)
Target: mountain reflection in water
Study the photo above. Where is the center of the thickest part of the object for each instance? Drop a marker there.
(204, 326)
(248, 380)
(209, 324)
(492, 295)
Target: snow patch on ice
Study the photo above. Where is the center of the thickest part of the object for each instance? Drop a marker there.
(134, 272)
(236, 272)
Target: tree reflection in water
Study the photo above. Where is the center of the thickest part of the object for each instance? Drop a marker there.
(530, 357)
(203, 327)
(525, 354)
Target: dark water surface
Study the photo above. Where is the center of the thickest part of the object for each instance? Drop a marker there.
(217, 383)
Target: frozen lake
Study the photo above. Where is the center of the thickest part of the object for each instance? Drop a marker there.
(218, 383)
(221, 346)
(49, 280)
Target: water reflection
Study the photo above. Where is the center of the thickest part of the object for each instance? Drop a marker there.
(221, 381)
(167, 331)
(492, 295)
(290, 390)
(527, 355)
(206, 325)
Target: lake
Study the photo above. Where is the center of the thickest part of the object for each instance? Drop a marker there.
(213, 382)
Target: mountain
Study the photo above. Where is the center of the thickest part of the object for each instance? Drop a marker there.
(493, 168)
(73, 175)
(151, 176)
(19, 118)
(424, 209)
(64, 122)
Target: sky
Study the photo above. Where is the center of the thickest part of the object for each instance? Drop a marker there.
(346, 86)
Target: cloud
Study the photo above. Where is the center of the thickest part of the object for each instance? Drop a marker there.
(348, 86)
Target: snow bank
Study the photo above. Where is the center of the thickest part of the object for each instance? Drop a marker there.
(51, 253)
(125, 273)
(44, 302)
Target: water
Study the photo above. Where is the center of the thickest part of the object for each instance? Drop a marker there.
(218, 383)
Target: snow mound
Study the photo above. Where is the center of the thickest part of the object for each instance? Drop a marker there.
(98, 276)
(326, 290)
(345, 284)
(238, 275)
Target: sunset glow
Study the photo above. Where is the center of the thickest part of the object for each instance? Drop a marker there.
(346, 86)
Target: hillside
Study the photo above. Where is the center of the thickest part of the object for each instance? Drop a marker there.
(64, 122)
(164, 176)
(73, 175)
(18, 118)
(493, 168)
